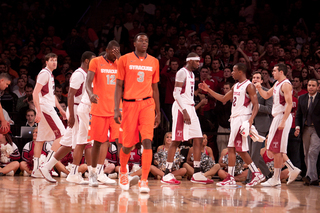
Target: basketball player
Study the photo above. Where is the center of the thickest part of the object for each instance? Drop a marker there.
(281, 124)
(68, 141)
(5, 80)
(138, 72)
(244, 108)
(100, 85)
(50, 127)
(185, 122)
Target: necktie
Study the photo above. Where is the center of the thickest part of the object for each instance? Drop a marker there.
(309, 117)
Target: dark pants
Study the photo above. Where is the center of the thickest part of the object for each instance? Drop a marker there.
(293, 149)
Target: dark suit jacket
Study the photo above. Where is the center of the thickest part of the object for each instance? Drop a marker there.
(262, 120)
(302, 112)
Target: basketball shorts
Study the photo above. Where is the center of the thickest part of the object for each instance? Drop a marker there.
(99, 127)
(70, 136)
(236, 140)
(182, 131)
(278, 139)
(50, 126)
(84, 119)
(137, 116)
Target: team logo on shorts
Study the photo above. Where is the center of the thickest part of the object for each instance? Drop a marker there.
(179, 133)
(275, 144)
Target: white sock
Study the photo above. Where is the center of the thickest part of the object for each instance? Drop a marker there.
(196, 164)
(89, 169)
(35, 163)
(289, 164)
(50, 154)
(74, 169)
(93, 169)
(253, 167)
(169, 165)
(99, 169)
(231, 170)
(276, 175)
(50, 164)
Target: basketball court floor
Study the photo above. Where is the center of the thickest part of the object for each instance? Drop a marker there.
(26, 194)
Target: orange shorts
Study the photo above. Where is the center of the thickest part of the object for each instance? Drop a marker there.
(99, 127)
(137, 117)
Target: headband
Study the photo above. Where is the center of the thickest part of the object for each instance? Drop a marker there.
(193, 58)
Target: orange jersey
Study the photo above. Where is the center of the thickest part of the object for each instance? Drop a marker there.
(104, 84)
(138, 75)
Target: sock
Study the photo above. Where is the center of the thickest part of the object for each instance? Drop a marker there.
(253, 167)
(50, 154)
(74, 169)
(99, 169)
(35, 163)
(50, 164)
(93, 170)
(289, 164)
(276, 175)
(169, 165)
(124, 158)
(231, 170)
(146, 161)
(90, 169)
(196, 164)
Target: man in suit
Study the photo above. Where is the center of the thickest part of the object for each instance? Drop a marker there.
(262, 123)
(308, 122)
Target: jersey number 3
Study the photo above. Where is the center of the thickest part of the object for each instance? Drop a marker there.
(140, 77)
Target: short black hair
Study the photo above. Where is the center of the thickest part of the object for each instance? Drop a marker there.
(87, 55)
(242, 67)
(139, 34)
(112, 43)
(282, 67)
(313, 79)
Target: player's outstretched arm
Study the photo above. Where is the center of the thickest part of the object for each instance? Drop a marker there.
(93, 97)
(117, 98)
(219, 97)
(157, 102)
(287, 91)
(264, 94)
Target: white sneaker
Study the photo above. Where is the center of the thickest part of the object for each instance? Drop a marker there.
(293, 175)
(93, 180)
(143, 186)
(46, 174)
(135, 168)
(133, 180)
(11, 173)
(170, 179)
(54, 173)
(257, 178)
(86, 174)
(36, 174)
(77, 178)
(200, 178)
(271, 182)
(26, 174)
(124, 181)
(113, 175)
(105, 180)
(229, 181)
(62, 175)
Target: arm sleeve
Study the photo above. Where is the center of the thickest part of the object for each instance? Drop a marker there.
(180, 77)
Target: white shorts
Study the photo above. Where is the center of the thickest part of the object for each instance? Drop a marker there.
(84, 119)
(278, 139)
(70, 136)
(182, 131)
(236, 139)
(50, 126)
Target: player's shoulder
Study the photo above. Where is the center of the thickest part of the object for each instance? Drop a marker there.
(126, 56)
(95, 59)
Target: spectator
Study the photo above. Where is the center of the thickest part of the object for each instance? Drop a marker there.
(21, 85)
(8, 164)
(58, 93)
(216, 73)
(30, 116)
(27, 100)
(297, 87)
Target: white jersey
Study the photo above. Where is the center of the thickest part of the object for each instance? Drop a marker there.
(241, 104)
(77, 81)
(46, 95)
(188, 79)
(279, 102)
